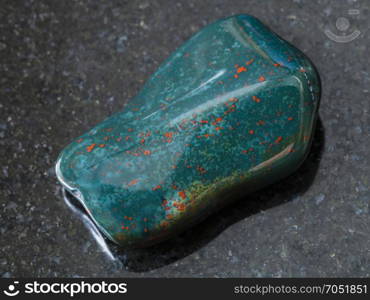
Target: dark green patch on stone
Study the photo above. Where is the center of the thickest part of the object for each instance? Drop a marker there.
(229, 112)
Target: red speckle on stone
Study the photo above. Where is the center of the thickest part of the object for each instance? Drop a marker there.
(248, 150)
(236, 76)
(168, 134)
(241, 69)
(217, 120)
(249, 62)
(251, 131)
(201, 170)
(256, 99)
(133, 182)
(230, 109)
(80, 140)
(90, 148)
(179, 206)
(261, 78)
(142, 141)
(182, 194)
(147, 152)
(279, 139)
(290, 118)
(102, 145)
(156, 187)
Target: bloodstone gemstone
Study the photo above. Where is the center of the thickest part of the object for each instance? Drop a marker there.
(229, 112)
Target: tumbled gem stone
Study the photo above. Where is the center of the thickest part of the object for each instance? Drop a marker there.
(231, 111)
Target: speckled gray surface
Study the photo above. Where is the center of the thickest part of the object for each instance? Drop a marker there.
(65, 66)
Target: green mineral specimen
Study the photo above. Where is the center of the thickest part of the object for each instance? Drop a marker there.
(231, 111)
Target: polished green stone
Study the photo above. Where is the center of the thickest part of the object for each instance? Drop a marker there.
(231, 111)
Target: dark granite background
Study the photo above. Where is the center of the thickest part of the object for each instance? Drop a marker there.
(66, 65)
